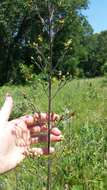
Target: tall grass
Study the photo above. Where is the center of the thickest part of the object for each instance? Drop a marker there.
(80, 161)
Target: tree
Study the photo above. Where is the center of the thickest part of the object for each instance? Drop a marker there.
(101, 53)
(96, 55)
(22, 28)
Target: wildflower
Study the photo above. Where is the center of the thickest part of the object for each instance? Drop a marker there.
(32, 58)
(68, 43)
(60, 73)
(40, 39)
(35, 44)
(61, 21)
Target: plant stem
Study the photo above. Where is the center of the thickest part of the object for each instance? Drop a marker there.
(49, 143)
(49, 95)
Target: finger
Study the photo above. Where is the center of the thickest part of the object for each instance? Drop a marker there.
(29, 120)
(41, 151)
(40, 118)
(43, 129)
(44, 138)
(44, 117)
(7, 108)
(38, 129)
(56, 131)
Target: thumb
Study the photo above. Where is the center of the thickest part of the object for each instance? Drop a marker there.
(7, 108)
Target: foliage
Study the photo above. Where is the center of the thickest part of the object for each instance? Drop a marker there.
(22, 30)
(95, 60)
(23, 36)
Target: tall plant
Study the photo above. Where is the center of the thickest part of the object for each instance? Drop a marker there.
(51, 26)
(52, 22)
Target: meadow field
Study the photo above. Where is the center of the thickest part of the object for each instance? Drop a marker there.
(80, 161)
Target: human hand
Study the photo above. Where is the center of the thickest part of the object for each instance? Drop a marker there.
(17, 136)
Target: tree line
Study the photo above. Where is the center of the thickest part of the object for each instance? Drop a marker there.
(24, 42)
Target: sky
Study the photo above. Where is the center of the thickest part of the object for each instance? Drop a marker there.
(97, 15)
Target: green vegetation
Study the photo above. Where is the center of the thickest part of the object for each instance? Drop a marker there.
(80, 161)
(24, 28)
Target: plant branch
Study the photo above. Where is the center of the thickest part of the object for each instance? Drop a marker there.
(61, 85)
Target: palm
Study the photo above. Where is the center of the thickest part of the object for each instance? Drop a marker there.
(14, 147)
(15, 134)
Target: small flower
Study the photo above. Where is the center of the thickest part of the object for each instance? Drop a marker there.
(61, 21)
(40, 39)
(32, 57)
(68, 43)
(35, 44)
(59, 74)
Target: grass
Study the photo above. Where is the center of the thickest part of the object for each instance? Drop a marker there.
(80, 161)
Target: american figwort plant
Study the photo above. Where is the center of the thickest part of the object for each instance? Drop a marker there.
(52, 23)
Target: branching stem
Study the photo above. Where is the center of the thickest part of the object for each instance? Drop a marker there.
(51, 12)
